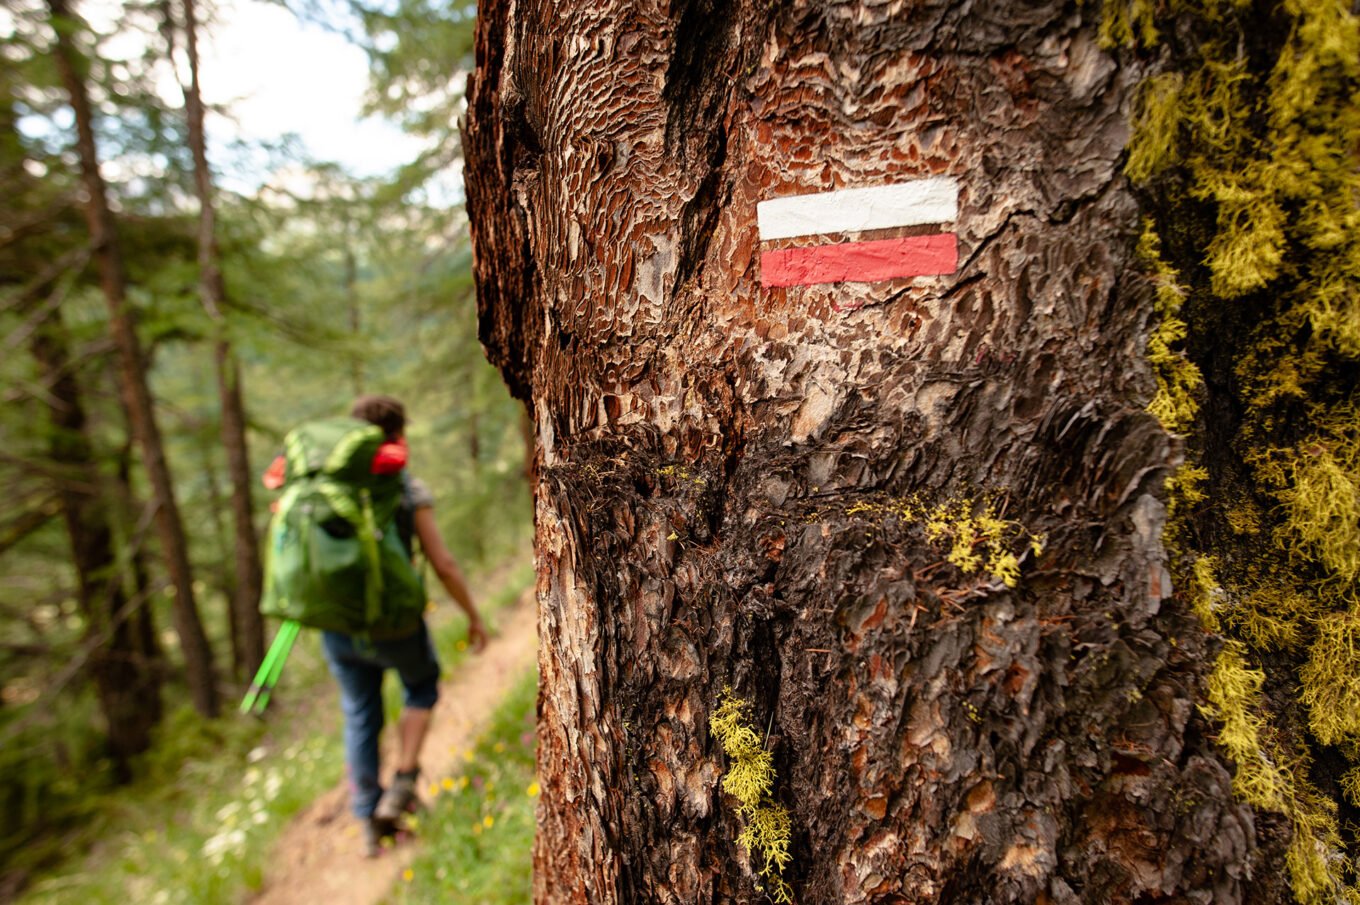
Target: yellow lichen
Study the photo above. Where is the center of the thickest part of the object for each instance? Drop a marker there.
(1234, 690)
(750, 780)
(1265, 145)
(978, 539)
(1271, 779)
(1178, 379)
(681, 473)
(1244, 519)
(1350, 785)
(1205, 591)
(1318, 486)
(1270, 615)
(975, 537)
(1331, 679)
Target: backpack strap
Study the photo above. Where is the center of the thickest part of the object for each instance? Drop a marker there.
(366, 530)
(406, 515)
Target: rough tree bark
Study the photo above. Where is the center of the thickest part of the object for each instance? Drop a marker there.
(247, 624)
(136, 394)
(720, 463)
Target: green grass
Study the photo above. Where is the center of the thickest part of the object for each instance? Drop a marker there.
(199, 824)
(478, 835)
(198, 827)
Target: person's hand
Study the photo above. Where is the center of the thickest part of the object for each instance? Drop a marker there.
(476, 634)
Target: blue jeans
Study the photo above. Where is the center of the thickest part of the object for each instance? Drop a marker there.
(358, 667)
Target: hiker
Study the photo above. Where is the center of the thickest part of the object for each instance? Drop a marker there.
(359, 662)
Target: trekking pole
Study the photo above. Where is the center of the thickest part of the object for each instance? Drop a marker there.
(257, 698)
(273, 680)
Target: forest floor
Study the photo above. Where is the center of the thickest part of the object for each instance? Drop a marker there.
(319, 857)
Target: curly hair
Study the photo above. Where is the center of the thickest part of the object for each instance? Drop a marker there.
(384, 411)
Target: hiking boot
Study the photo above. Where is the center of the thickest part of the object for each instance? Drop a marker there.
(399, 797)
(375, 831)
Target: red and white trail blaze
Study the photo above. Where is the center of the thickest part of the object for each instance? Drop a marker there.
(921, 202)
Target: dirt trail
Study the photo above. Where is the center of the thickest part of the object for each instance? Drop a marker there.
(318, 859)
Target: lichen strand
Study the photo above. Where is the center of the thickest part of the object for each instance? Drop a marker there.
(974, 535)
(1247, 154)
(750, 780)
(1178, 379)
(1331, 680)
(1268, 777)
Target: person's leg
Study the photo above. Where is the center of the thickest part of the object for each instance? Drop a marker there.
(361, 703)
(411, 730)
(415, 661)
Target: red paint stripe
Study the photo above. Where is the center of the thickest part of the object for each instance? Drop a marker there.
(861, 262)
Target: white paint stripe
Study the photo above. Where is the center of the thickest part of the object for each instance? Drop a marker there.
(931, 200)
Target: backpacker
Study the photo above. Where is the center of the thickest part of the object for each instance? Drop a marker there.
(335, 559)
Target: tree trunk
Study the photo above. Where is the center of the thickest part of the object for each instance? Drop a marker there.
(351, 286)
(226, 578)
(144, 619)
(812, 494)
(128, 684)
(136, 394)
(247, 623)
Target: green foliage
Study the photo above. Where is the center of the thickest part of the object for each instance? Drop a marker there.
(1249, 152)
(210, 798)
(477, 838)
(750, 779)
(37, 788)
(345, 285)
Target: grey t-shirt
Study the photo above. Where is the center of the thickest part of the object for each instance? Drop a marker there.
(421, 498)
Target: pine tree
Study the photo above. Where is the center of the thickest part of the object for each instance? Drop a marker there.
(136, 394)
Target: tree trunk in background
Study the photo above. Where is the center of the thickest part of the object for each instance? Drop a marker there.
(752, 487)
(128, 684)
(356, 324)
(226, 578)
(144, 620)
(136, 394)
(247, 623)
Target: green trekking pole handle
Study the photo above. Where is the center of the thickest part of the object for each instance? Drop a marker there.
(262, 674)
(257, 698)
(292, 632)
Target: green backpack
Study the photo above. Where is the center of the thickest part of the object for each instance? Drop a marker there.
(335, 558)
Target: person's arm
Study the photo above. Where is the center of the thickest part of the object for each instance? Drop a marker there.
(450, 576)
